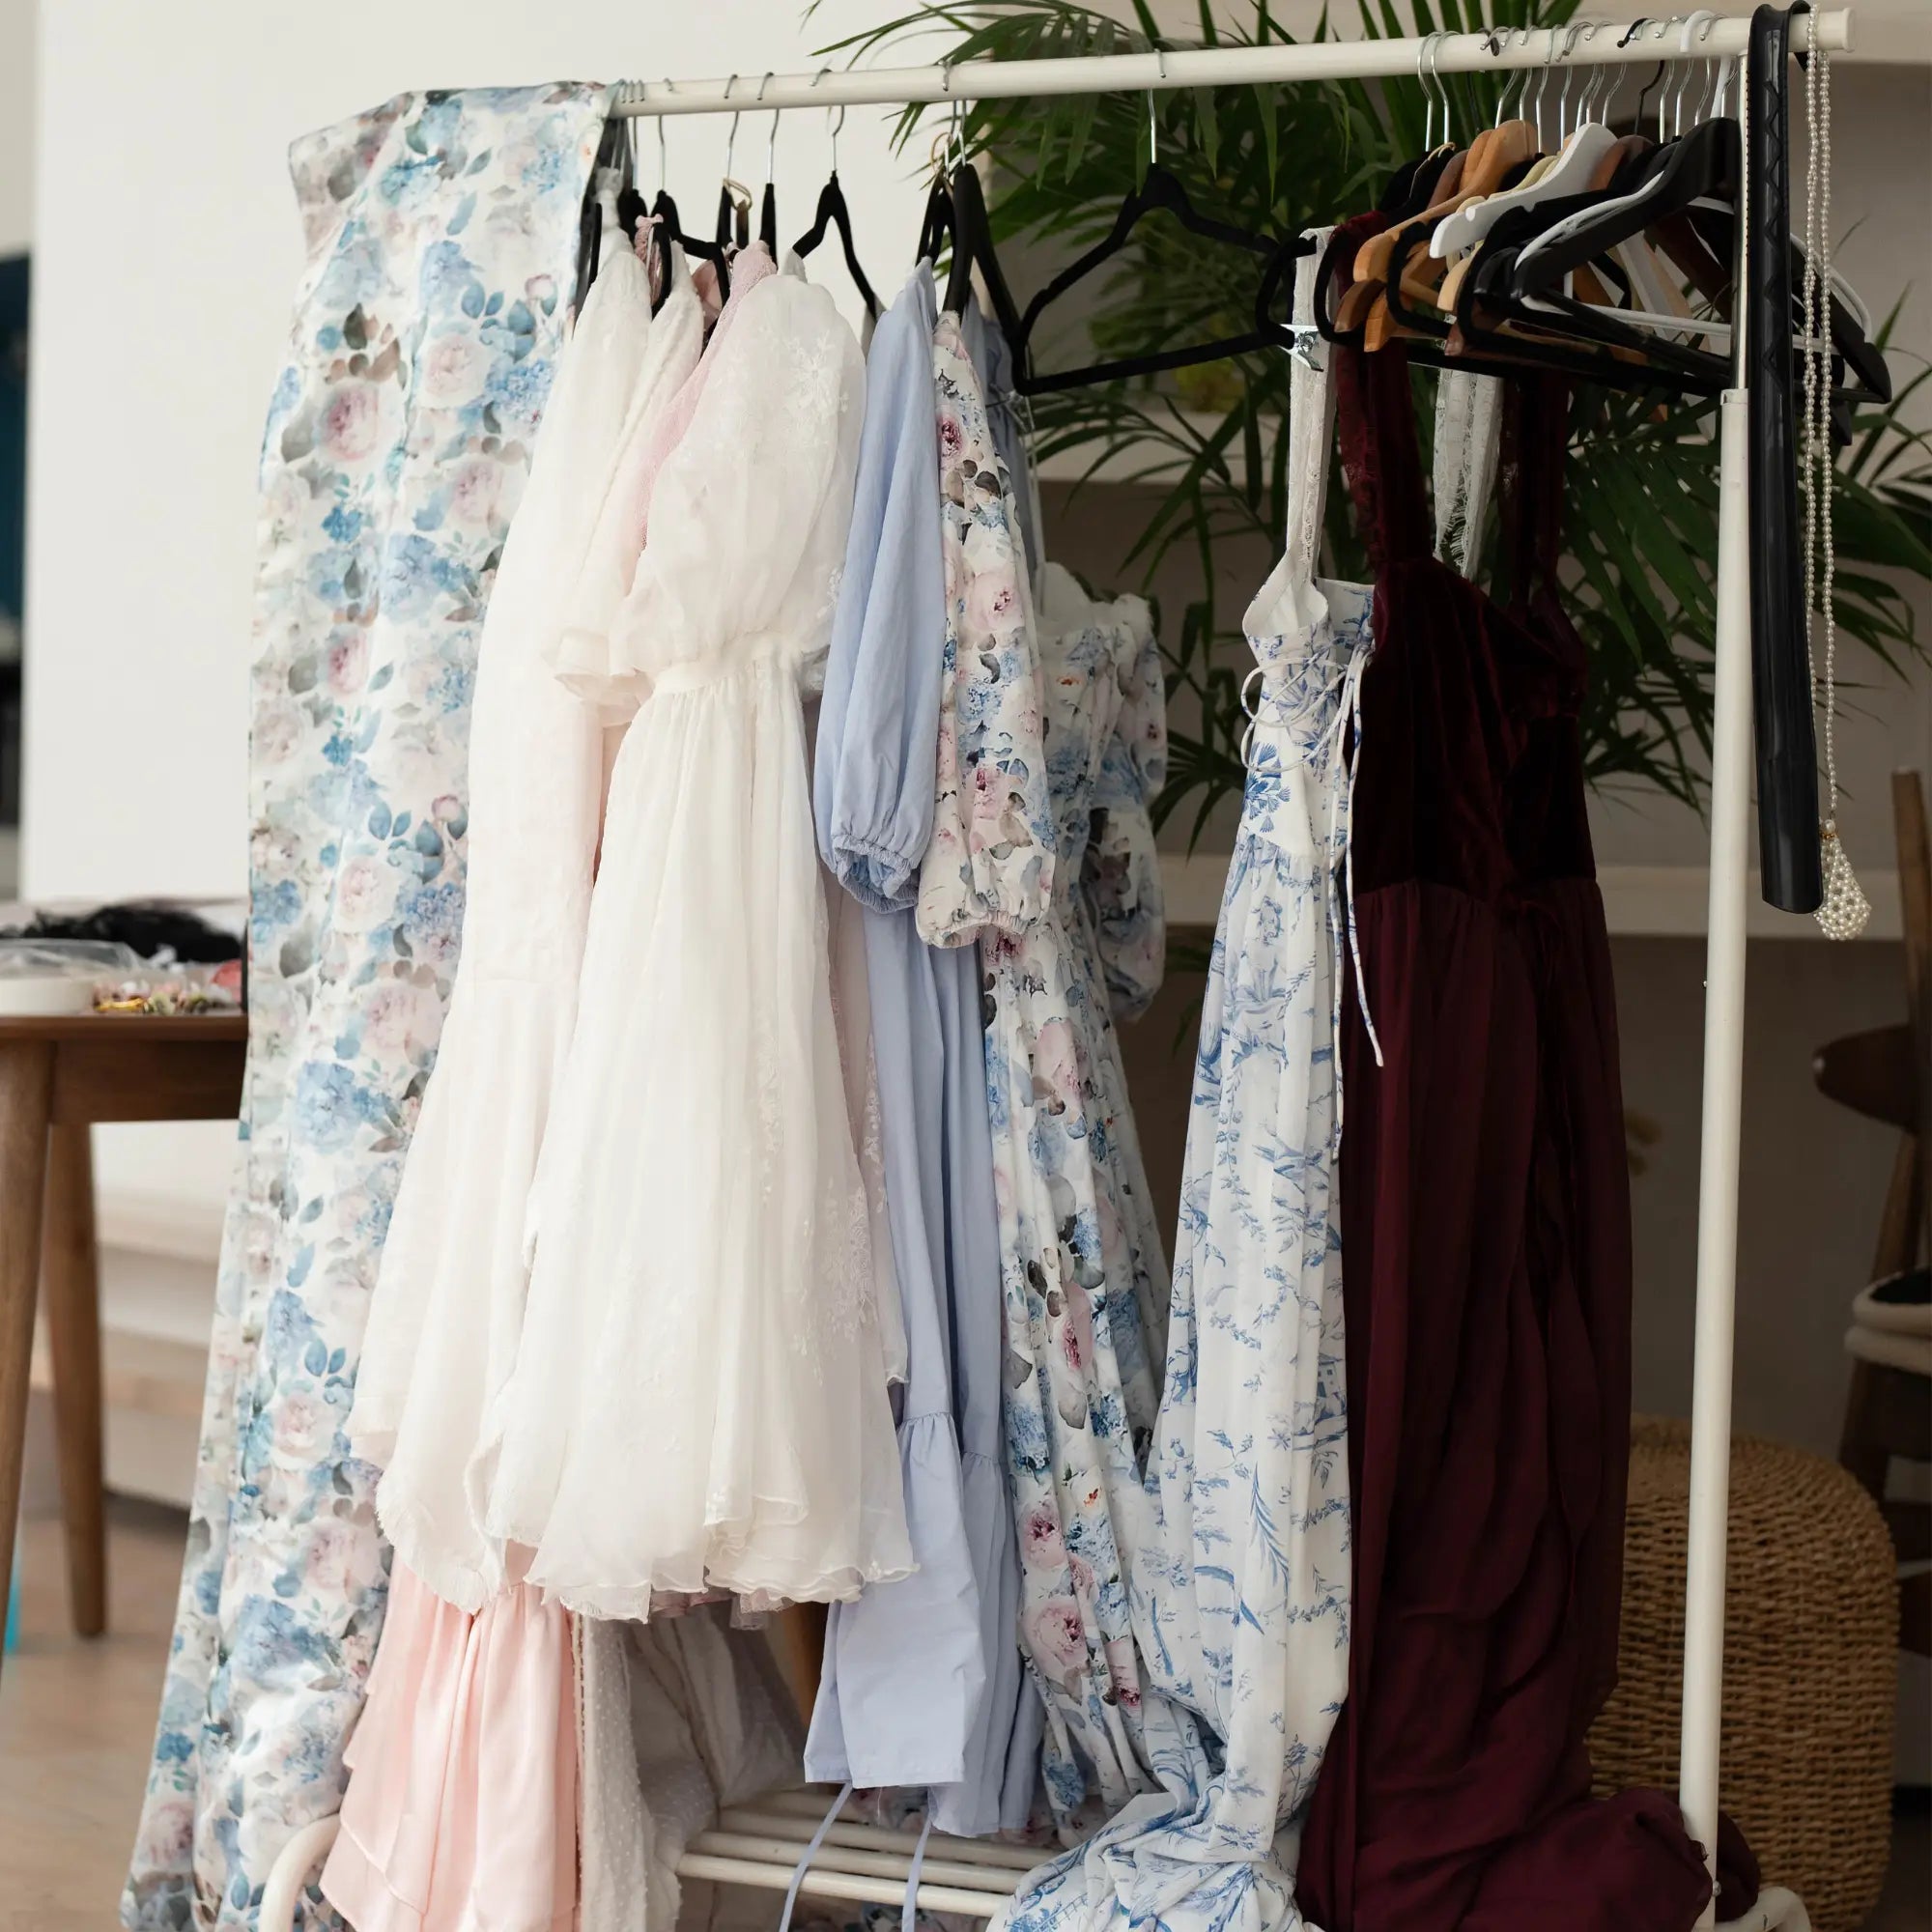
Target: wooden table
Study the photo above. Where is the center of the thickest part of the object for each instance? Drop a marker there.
(58, 1075)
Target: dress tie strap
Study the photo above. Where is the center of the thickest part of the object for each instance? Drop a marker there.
(799, 1870)
(1347, 732)
(1340, 748)
(909, 1912)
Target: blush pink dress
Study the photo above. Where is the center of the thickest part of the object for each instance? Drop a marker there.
(461, 1813)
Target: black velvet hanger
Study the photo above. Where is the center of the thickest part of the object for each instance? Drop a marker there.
(667, 229)
(613, 150)
(935, 228)
(733, 226)
(832, 213)
(1700, 165)
(1159, 192)
(973, 247)
(1683, 177)
(1584, 331)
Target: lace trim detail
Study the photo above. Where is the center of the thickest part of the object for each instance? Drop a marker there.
(1468, 422)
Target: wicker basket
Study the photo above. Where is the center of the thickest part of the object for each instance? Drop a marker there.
(1809, 1662)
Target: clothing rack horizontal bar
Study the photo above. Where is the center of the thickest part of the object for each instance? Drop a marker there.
(1607, 44)
(848, 1886)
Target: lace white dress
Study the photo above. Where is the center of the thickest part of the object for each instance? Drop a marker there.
(700, 1402)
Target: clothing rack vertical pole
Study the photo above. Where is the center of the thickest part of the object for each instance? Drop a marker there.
(1718, 1181)
(1700, 1736)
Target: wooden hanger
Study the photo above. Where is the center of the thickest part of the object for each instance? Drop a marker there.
(1507, 147)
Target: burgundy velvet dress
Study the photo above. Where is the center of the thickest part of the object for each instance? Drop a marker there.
(1486, 1264)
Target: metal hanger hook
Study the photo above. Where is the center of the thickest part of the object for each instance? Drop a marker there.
(1154, 126)
(1432, 91)
(1543, 86)
(1657, 73)
(833, 124)
(1720, 107)
(1495, 41)
(955, 134)
(1441, 87)
(1699, 18)
(1664, 73)
(771, 139)
(732, 139)
(1602, 84)
(1570, 35)
(1711, 69)
(1523, 77)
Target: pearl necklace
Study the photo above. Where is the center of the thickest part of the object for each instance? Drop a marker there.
(1844, 909)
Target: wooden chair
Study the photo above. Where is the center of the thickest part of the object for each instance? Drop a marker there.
(1887, 1075)
(58, 1076)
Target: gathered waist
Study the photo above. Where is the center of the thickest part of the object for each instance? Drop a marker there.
(757, 653)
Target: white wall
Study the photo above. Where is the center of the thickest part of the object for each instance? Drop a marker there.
(17, 125)
(159, 334)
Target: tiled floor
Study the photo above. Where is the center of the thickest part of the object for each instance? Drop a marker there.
(76, 1721)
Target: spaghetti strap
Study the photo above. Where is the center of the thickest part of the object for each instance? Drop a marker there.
(1536, 429)
(1380, 455)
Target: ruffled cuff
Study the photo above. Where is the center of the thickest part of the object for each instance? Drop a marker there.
(877, 874)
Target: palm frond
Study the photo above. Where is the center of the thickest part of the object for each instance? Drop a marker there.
(1640, 486)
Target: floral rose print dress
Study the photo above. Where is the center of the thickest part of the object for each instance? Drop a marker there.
(1021, 750)
(441, 235)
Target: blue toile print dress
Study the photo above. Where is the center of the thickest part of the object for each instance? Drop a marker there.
(441, 233)
(1241, 1584)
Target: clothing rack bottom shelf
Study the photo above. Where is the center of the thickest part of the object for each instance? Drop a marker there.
(760, 1845)
(860, 1887)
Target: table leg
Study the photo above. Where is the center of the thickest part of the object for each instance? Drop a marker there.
(70, 1277)
(26, 1100)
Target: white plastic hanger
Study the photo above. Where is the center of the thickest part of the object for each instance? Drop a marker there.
(1564, 229)
(1568, 174)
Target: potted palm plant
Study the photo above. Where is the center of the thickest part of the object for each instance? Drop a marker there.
(1642, 576)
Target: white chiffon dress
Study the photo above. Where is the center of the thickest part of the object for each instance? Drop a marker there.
(448, 1306)
(700, 1402)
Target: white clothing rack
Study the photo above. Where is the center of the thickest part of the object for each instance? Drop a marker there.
(1600, 43)
(762, 1844)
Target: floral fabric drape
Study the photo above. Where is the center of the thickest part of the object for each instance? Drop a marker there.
(441, 232)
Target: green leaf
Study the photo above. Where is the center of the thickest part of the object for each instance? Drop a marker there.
(1207, 126)
(1082, 126)
(1641, 493)
(1265, 101)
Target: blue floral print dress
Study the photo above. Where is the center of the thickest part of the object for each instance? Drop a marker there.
(1024, 748)
(441, 235)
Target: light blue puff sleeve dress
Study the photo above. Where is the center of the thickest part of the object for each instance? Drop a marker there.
(922, 1685)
